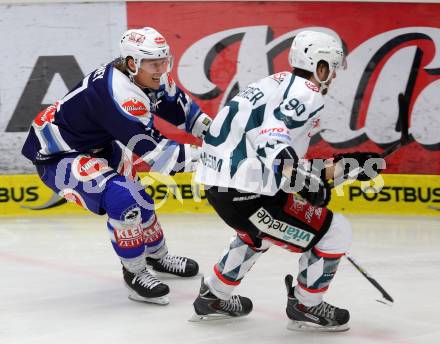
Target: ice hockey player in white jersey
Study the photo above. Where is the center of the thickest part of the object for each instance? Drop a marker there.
(82, 147)
(251, 163)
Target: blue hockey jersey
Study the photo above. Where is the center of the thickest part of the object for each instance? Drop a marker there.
(107, 106)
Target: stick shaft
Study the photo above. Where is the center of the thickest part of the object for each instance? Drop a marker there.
(372, 280)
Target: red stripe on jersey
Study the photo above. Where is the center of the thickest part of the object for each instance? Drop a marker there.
(327, 255)
(313, 291)
(223, 278)
(284, 245)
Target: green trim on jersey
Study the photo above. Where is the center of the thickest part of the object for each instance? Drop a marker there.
(239, 153)
(226, 127)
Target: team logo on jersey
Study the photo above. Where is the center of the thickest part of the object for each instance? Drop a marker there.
(73, 196)
(132, 215)
(301, 209)
(135, 37)
(312, 86)
(85, 167)
(46, 116)
(135, 107)
(279, 77)
(159, 40)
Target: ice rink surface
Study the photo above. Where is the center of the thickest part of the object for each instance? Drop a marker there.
(62, 283)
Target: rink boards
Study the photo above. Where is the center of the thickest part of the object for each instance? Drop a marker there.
(395, 194)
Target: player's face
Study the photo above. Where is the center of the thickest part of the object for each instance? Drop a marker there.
(150, 72)
(323, 74)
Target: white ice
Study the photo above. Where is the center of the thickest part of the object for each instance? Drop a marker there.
(60, 282)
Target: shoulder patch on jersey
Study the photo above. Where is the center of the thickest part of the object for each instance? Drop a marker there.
(46, 116)
(312, 86)
(279, 77)
(135, 107)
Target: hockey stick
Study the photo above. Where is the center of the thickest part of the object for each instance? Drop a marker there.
(388, 299)
(403, 124)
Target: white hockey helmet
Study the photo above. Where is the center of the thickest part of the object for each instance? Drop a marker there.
(310, 47)
(145, 43)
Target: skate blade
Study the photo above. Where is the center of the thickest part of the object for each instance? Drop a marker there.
(162, 300)
(209, 317)
(311, 327)
(133, 296)
(386, 302)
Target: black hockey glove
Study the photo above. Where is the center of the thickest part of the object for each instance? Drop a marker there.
(315, 188)
(353, 160)
(307, 178)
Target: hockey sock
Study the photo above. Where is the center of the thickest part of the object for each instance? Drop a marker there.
(236, 261)
(316, 271)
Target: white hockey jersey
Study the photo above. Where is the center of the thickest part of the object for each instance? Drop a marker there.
(245, 137)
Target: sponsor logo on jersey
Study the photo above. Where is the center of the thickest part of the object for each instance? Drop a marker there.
(159, 40)
(279, 229)
(271, 130)
(129, 237)
(245, 198)
(46, 116)
(312, 86)
(211, 161)
(135, 37)
(135, 107)
(85, 167)
(153, 234)
(280, 133)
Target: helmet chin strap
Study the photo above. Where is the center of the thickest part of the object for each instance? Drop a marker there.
(323, 84)
(132, 74)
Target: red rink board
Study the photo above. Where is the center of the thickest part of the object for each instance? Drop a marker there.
(185, 23)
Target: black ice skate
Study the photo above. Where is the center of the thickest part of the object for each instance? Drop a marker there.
(323, 317)
(207, 306)
(176, 265)
(143, 286)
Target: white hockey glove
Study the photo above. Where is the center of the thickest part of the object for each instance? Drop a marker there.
(193, 154)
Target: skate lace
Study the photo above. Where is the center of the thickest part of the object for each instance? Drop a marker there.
(323, 309)
(232, 305)
(145, 279)
(173, 263)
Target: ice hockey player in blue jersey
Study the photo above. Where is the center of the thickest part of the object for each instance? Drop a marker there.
(83, 145)
(252, 164)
